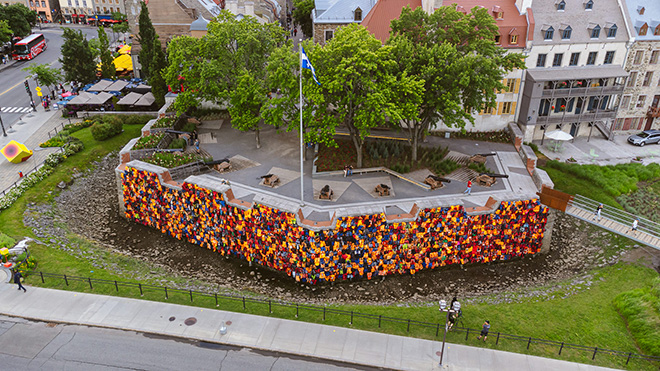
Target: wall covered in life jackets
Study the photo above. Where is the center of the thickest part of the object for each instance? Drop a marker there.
(356, 247)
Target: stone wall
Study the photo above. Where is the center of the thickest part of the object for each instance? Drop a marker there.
(363, 246)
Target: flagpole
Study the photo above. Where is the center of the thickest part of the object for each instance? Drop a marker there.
(302, 144)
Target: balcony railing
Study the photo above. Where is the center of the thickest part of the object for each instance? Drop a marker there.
(578, 91)
(570, 117)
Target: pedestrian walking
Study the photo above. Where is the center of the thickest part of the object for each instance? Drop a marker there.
(197, 145)
(18, 277)
(345, 170)
(468, 190)
(295, 32)
(634, 225)
(484, 331)
(598, 211)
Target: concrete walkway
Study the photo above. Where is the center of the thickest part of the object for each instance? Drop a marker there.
(293, 337)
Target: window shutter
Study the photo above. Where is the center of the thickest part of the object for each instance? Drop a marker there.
(513, 107)
(517, 86)
(499, 108)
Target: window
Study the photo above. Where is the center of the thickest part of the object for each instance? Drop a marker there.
(556, 61)
(639, 55)
(69, 2)
(112, 10)
(641, 10)
(632, 79)
(506, 108)
(609, 57)
(647, 79)
(510, 85)
(540, 61)
(595, 32)
(656, 32)
(625, 102)
(549, 33)
(328, 35)
(654, 57)
(575, 57)
(498, 38)
(499, 15)
(566, 33)
(591, 59)
(513, 39)
(640, 101)
(488, 110)
(561, 6)
(31, 3)
(357, 14)
(611, 32)
(589, 5)
(643, 29)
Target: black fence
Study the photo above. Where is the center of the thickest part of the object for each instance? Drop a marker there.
(350, 315)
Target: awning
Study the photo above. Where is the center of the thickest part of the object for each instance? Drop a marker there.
(126, 49)
(116, 86)
(130, 99)
(101, 85)
(146, 100)
(81, 98)
(123, 63)
(98, 99)
(576, 73)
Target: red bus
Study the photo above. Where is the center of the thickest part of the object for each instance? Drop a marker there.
(29, 47)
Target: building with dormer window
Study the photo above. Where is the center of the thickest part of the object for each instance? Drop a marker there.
(639, 106)
(329, 15)
(575, 73)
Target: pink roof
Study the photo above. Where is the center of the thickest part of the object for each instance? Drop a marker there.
(381, 15)
(511, 23)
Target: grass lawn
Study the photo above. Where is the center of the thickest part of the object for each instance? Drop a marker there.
(587, 317)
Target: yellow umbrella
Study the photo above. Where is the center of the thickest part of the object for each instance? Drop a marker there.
(16, 152)
(126, 49)
(123, 62)
(4, 251)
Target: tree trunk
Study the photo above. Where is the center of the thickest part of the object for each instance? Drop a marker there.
(414, 147)
(359, 156)
(258, 138)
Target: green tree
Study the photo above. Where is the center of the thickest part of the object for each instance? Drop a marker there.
(19, 17)
(77, 58)
(146, 37)
(456, 57)
(359, 89)
(302, 15)
(5, 32)
(121, 27)
(95, 47)
(231, 57)
(107, 66)
(44, 74)
(157, 67)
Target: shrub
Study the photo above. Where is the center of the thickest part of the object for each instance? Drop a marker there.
(165, 122)
(148, 141)
(639, 308)
(445, 167)
(6, 241)
(173, 159)
(189, 127)
(479, 168)
(136, 119)
(76, 126)
(57, 141)
(177, 143)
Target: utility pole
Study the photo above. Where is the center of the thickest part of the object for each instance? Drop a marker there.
(4, 133)
(27, 89)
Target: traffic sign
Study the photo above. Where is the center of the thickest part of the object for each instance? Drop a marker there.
(38, 89)
(39, 93)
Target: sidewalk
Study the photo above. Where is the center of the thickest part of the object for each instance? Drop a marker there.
(32, 129)
(293, 337)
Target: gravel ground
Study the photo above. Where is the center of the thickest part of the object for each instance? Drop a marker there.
(89, 208)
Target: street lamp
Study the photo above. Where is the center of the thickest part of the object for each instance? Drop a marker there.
(455, 307)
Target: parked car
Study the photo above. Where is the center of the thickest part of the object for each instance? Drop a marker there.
(645, 137)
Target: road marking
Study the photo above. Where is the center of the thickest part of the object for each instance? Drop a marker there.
(15, 109)
(17, 84)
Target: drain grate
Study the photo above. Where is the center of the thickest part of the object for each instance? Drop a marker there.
(172, 318)
(190, 321)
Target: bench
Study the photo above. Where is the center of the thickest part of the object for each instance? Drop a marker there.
(383, 190)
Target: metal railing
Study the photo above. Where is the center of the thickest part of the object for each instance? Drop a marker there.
(617, 215)
(25, 174)
(351, 316)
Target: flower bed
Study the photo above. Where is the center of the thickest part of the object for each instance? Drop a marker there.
(148, 141)
(172, 159)
(165, 122)
(394, 155)
(484, 136)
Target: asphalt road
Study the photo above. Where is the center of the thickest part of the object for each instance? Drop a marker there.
(14, 101)
(26, 345)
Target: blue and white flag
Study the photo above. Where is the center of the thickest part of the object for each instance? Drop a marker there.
(307, 64)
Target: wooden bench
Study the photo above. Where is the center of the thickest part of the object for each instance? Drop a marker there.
(326, 193)
(383, 190)
(271, 180)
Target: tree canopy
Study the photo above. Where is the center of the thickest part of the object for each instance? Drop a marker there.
(107, 66)
(228, 62)
(302, 15)
(146, 37)
(456, 57)
(77, 58)
(5, 32)
(157, 66)
(44, 74)
(19, 18)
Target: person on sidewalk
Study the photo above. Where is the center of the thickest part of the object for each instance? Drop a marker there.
(484, 331)
(197, 145)
(18, 277)
(634, 225)
(468, 190)
(598, 211)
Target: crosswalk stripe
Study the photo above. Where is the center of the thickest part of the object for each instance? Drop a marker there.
(15, 109)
